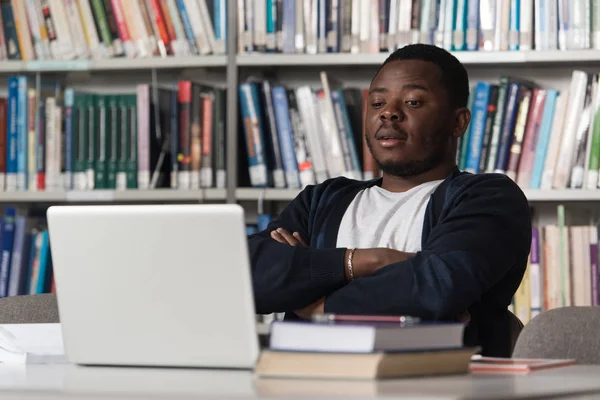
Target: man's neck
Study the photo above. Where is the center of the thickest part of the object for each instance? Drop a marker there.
(403, 183)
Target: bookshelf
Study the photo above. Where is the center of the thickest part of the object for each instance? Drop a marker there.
(550, 68)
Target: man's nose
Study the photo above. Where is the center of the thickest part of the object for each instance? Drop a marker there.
(392, 112)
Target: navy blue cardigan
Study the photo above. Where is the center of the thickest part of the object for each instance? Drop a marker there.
(475, 244)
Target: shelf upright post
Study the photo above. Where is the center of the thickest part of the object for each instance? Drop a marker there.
(232, 107)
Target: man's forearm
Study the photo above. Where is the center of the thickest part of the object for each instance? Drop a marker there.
(286, 278)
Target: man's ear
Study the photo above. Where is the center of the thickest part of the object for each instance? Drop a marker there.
(462, 117)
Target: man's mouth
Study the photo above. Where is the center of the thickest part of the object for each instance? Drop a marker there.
(391, 138)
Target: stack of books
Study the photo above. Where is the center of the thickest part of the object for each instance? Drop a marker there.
(364, 350)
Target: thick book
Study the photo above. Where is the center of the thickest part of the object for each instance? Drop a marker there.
(364, 337)
(378, 365)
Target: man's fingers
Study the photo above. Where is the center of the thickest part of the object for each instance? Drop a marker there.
(300, 239)
(289, 238)
(276, 236)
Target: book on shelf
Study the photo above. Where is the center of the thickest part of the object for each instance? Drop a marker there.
(99, 29)
(58, 138)
(540, 137)
(371, 26)
(283, 134)
(26, 263)
(562, 269)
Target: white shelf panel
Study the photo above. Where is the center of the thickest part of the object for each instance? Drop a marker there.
(113, 64)
(562, 195)
(113, 196)
(534, 196)
(158, 63)
(466, 57)
(266, 194)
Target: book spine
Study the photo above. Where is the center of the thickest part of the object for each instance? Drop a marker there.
(122, 28)
(508, 127)
(534, 125)
(32, 113)
(284, 130)
(275, 163)
(132, 130)
(12, 134)
(70, 140)
(303, 157)
(40, 150)
(39, 36)
(472, 34)
(3, 44)
(102, 26)
(123, 137)
(195, 142)
(3, 142)
(22, 133)
(206, 170)
(252, 133)
(97, 51)
(10, 30)
(289, 27)
(489, 127)
(80, 138)
(480, 106)
(8, 228)
(73, 15)
(187, 27)
(219, 138)
(174, 128)
(516, 145)
(593, 231)
(160, 26)
(23, 31)
(112, 141)
(220, 13)
(185, 133)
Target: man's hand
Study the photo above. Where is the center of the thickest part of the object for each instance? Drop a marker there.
(366, 261)
(307, 312)
(283, 236)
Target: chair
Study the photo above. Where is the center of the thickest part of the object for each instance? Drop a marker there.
(39, 308)
(515, 327)
(566, 332)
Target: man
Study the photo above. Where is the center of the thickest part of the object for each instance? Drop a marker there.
(425, 240)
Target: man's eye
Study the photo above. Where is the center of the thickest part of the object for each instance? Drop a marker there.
(413, 103)
(377, 104)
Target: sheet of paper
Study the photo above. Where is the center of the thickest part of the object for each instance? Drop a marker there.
(37, 340)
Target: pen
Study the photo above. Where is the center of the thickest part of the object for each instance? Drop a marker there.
(403, 319)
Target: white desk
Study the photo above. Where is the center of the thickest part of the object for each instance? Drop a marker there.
(70, 382)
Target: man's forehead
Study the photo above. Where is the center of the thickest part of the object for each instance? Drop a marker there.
(399, 72)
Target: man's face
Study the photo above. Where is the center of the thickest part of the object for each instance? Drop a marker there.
(410, 125)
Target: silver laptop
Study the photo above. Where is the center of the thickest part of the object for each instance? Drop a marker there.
(154, 285)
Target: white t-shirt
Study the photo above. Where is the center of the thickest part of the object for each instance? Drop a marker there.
(380, 218)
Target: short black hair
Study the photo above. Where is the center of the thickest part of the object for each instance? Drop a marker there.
(454, 74)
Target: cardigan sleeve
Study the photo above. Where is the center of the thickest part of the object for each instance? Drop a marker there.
(484, 235)
(286, 278)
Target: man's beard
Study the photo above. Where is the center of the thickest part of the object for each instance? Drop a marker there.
(412, 167)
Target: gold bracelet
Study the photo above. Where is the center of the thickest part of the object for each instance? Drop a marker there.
(350, 270)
